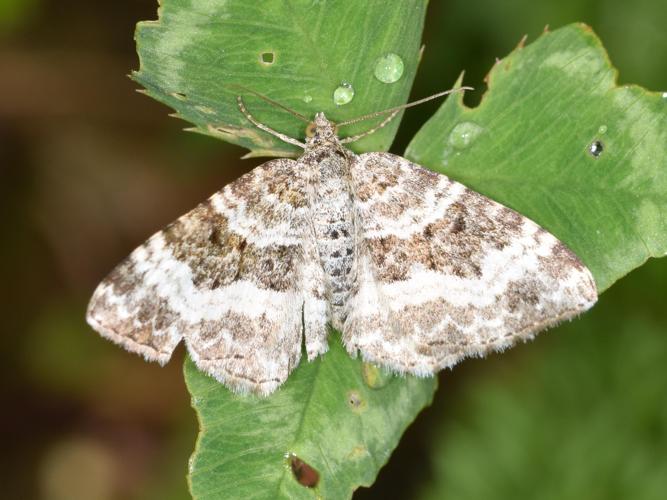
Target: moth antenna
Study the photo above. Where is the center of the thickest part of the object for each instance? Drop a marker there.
(266, 128)
(271, 101)
(384, 122)
(403, 106)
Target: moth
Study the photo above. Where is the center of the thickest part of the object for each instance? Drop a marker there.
(414, 269)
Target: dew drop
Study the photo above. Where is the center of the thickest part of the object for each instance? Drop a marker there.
(602, 129)
(596, 148)
(267, 58)
(389, 68)
(464, 134)
(343, 94)
(307, 98)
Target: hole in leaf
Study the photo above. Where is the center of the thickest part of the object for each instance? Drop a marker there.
(267, 58)
(596, 148)
(303, 473)
(355, 401)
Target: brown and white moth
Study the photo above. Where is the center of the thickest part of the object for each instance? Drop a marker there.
(416, 270)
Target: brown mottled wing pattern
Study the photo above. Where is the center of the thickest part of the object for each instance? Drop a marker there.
(445, 273)
(231, 278)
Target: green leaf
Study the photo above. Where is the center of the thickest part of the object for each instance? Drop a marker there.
(340, 416)
(297, 52)
(527, 145)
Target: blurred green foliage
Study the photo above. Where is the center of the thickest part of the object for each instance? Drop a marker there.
(13, 13)
(467, 35)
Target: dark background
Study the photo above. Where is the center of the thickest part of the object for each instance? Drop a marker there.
(89, 168)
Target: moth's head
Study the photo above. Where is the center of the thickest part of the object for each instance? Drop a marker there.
(321, 131)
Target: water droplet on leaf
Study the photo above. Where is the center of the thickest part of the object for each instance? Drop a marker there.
(307, 98)
(464, 134)
(602, 129)
(343, 94)
(389, 68)
(596, 148)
